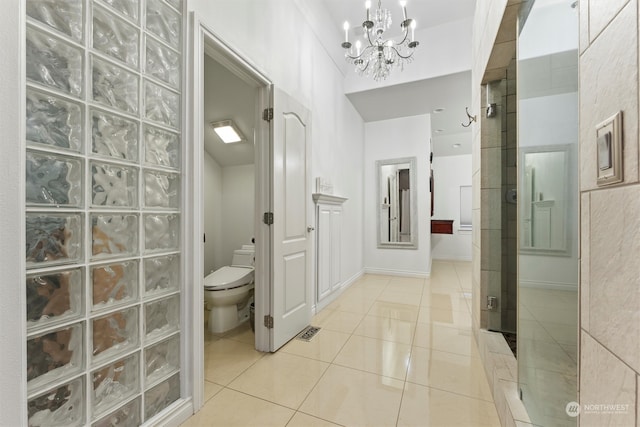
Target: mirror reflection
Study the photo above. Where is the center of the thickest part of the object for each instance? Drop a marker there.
(396, 203)
(544, 199)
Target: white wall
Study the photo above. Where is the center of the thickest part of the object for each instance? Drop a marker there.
(449, 173)
(238, 202)
(212, 180)
(292, 57)
(390, 139)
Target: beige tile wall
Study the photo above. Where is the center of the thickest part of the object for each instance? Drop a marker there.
(610, 218)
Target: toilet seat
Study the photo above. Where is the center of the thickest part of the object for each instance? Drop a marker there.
(228, 277)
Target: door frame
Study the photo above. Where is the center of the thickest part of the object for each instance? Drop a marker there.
(204, 40)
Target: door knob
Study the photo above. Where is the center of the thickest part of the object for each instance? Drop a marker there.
(310, 229)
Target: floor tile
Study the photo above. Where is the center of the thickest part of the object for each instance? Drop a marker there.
(386, 329)
(355, 398)
(386, 358)
(399, 297)
(225, 359)
(393, 310)
(445, 338)
(242, 333)
(447, 371)
(339, 321)
(281, 378)
(352, 304)
(460, 319)
(210, 390)
(427, 407)
(324, 346)
(230, 408)
(304, 420)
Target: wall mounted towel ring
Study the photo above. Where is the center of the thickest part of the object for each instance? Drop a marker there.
(470, 117)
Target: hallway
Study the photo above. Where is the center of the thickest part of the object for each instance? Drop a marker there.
(391, 351)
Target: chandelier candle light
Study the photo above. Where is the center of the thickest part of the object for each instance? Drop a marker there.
(380, 55)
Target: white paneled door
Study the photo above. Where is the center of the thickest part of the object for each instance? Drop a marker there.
(292, 239)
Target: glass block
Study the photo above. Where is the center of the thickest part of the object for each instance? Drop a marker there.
(113, 185)
(114, 333)
(161, 396)
(128, 8)
(54, 355)
(114, 284)
(53, 121)
(161, 232)
(161, 147)
(114, 235)
(62, 15)
(161, 105)
(115, 37)
(127, 416)
(115, 383)
(54, 297)
(161, 189)
(62, 406)
(53, 239)
(161, 274)
(114, 136)
(53, 180)
(114, 86)
(53, 63)
(176, 3)
(162, 317)
(162, 62)
(164, 22)
(162, 359)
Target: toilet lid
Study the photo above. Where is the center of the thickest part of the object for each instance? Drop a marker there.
(228, 277)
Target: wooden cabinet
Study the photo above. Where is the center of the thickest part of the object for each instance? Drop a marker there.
(328, 244)
(441, 226)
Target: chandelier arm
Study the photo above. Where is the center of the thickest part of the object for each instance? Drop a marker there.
(367, 48)
(400, 55)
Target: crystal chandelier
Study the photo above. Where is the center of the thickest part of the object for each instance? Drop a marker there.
(380, 55)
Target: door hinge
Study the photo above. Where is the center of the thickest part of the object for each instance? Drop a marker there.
(267, 218)
(267, 114)
(268, 322)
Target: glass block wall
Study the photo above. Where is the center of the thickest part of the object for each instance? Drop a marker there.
(103, 112)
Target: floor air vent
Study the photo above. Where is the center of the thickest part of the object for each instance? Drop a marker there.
(308, 333)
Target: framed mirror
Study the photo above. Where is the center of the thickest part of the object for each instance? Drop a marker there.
(397, 203)
(543, 202)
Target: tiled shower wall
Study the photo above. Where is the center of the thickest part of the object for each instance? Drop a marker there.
(103, 113)
(610, 217)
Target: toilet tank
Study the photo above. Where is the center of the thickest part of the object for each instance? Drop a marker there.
(243, 258)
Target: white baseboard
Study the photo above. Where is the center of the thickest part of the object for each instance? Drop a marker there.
(452, 258)
(537, 284)
(176, 414)
(400, 273)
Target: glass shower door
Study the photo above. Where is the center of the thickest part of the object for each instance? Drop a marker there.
(548, 212)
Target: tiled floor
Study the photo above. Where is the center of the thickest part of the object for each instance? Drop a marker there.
(391, 352)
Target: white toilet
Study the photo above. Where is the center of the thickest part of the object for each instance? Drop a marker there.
(228, 291)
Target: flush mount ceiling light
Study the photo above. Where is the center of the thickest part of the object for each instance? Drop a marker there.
(228, 131)
(378, 56)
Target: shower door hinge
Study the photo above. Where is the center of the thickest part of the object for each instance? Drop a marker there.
(267, 218)
(268, 322)
(267, 114)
